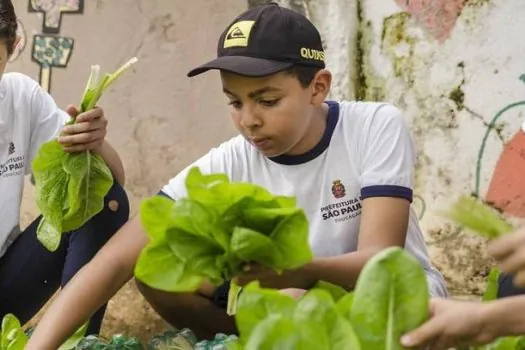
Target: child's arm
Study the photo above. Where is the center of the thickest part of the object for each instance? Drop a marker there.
(383, 224)
(93, 286)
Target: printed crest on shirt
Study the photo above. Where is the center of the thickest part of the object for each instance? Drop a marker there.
(338, 189)
(346, 208)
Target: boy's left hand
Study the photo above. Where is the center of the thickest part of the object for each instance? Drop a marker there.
(87, 133)
(268, 278)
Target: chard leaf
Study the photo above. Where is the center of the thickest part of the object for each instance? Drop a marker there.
(491, 291)
(49, 234)
(504, 343)
(291, 238)
(344, 305)
(75, 339)
(268, 319)
(90, 180)
(318, 306)
(70, 187)
(391, 298)
(255, 304)
(250, 245)
(335, 291)
(12, 336)
(9, 323)
(477, 216)
(168, 273)
(278, 332)
(17, 339)
(70, 190)
(155, 216)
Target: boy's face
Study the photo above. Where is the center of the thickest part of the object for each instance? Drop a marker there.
(275, 113)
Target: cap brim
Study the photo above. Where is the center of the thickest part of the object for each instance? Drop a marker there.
(242, 65)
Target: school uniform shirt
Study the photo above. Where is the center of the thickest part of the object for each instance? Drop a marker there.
(366, 151)
(28, 118)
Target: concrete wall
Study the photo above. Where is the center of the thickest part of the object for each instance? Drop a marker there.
(453, 66)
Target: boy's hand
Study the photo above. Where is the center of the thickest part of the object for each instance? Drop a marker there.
(87, 133)
(509, 251)
(271, 279)
(452, 324)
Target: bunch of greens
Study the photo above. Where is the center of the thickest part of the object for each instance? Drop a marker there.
(479, 217)
(213, 232)
(70, 187)
(390, 298)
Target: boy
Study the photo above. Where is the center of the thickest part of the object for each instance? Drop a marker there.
(350, 166)
(462, 323)
(29, 273)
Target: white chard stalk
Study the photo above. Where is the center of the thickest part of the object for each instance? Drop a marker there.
(95, 86)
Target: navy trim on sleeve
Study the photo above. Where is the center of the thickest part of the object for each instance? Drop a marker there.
(164, 194)
(331, 123)
(387, 191)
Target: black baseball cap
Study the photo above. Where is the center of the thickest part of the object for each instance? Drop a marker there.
(265, 40)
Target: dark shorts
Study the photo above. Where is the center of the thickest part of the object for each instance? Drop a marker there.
(506, 287)
(30, 274)
(220, 298)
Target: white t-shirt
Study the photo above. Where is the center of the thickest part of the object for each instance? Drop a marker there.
(366, 151)
(28, 118)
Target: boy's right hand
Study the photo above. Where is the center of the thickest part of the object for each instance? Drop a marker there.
(509, 251)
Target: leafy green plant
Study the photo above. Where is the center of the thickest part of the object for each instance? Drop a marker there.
(215, 230)
(390, 298)
(13, 337)
(475, 215)
(70, 187)
(267, 319)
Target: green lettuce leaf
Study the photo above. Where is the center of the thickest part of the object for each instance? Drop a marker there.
(268, 319)
(70, 190)
(391, 298)
(12, 336)
(215, 230)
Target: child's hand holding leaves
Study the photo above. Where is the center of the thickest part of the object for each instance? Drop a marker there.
(88, 131)
(509, 252)
(269, 278)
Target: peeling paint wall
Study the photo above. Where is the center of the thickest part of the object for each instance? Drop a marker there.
(456, 68)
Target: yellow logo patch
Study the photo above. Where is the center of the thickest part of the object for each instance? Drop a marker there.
(238, 34)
